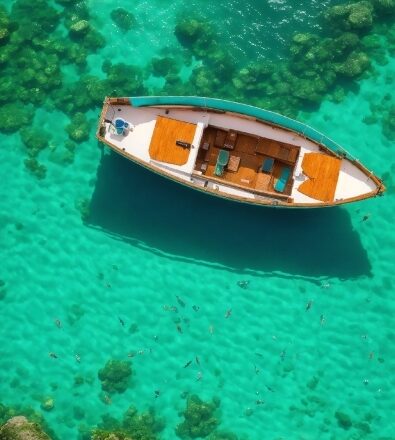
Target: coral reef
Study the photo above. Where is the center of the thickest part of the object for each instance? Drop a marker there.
(134, 426)
(343, 420)
(34, 139)
(115, 376)
(14, 116)
(3, 289)
(78, 129)
(35, 168)
(19, 428)
(199, 418)
(47, 403)
(123, 19)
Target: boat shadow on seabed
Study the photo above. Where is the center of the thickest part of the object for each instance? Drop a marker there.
(160, 215)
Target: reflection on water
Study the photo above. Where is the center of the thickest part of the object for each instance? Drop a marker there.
(138, 205)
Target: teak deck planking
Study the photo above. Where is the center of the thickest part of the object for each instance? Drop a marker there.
(250, 162)
(163, 143)
(323, 173)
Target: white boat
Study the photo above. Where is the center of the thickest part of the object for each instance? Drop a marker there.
(235, 151)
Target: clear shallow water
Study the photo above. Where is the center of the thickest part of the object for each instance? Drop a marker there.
(147, 240)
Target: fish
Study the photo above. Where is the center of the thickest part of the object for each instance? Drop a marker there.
(309, 305)
(197, 360)
(107, 399)
(77, 358)
(322, 319)
(257, 370)
(58, 323)
(269, 388)
(243, 284)
(283, 354)
(228, 313)
(121, 321)
(196, 308)
(199, 376)
(53, 355)
(188, 364)
(179, 329)
(157, 393)
(260, 402)
(258, 354)
(180, 301)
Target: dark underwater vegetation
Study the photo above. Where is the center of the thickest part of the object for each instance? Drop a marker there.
(42, 41)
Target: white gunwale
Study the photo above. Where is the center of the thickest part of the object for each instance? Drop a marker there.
(354, 183)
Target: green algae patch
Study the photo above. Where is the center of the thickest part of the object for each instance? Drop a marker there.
(343, 420)
(19, 428)
(34, 140)
(4, 24)
(14, 116)
(124, 19)
(37, 169)
(115, 376)
(134, 426)
(200, 418)
(78, 129)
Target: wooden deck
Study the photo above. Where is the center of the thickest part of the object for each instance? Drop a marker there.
(163, 143)
(323, 173)
(249, 160)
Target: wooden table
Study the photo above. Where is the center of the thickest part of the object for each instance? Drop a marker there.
(263, 181)
(233, 164)
(230, 140)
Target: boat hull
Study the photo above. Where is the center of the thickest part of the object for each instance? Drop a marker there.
(183, 110)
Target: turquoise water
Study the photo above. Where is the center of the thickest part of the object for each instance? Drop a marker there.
(310, 332)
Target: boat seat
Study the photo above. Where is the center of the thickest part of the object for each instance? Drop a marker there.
(222, 161)
(283, 179)
(267, 165)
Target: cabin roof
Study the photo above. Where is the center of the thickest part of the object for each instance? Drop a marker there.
(163, 145)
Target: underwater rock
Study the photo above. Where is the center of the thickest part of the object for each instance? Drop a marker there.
(47, 404)
(4, 24)
(115, 376)
(343, 420)
(79, 28)
(35, 168)
(200, 419)
(356, 16)
(163, 66)
(84, 206)
(142, 425)
(389, 124)
(34, 139)
(19, 428)
(355, 64)
(107, 435)
(78, 129)
(14, 116)
(123, 19)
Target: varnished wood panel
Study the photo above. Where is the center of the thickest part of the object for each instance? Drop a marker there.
(163, 143)
(323, 173)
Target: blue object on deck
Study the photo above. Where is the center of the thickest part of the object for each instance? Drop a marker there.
(267, 165)
(223, 157)
(283, 179)
(120, 125)
(222, 161)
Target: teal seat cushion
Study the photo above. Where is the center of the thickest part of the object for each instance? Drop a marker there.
(223, 157)
(283, 179)
(267, 165)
